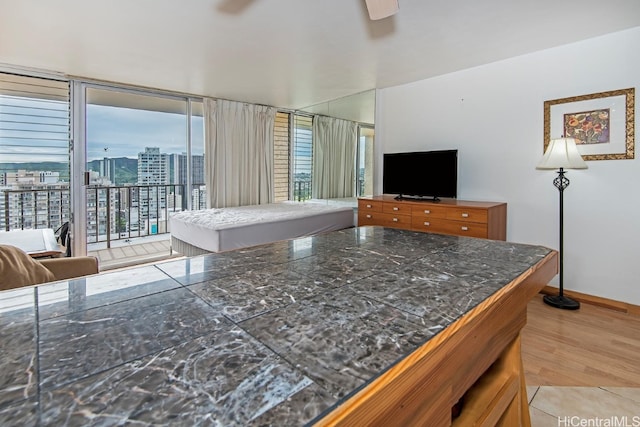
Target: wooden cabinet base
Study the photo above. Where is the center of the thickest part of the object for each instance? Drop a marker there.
(449, 216)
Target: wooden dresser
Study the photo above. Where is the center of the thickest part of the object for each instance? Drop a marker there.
(448, 216)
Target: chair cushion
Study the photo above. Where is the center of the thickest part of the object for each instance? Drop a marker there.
(19, 269)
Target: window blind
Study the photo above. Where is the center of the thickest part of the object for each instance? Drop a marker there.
(34, 121)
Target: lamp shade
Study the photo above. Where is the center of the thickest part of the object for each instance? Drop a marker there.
(562, 153)
(380, 9)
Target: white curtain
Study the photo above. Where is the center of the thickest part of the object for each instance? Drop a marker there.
(238, 153)
(334, 154)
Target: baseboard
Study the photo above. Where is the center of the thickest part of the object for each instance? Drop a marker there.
(594, 300)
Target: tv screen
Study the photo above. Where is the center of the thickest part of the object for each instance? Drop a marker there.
(423, 174)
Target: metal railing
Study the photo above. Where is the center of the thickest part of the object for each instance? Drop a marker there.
(35, 208)
(113, 212)
(301, 190)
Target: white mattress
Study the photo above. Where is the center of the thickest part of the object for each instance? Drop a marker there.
(224, 229)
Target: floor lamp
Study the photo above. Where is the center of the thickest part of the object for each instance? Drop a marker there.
(561, 154)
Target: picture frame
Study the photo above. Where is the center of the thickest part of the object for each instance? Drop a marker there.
(603, 123)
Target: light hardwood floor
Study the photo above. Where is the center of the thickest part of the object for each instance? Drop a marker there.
(590, 347)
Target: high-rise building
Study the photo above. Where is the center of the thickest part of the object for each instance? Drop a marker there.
(33, 199)
(153, 177)
(180, 168)
(101, 206)
(179, 177)
(153, 167)
(107, 168)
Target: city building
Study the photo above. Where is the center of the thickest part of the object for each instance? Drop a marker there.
(107, 168)
(153, 182)
(33, 199)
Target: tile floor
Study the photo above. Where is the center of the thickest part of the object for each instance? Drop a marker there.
(584, 406)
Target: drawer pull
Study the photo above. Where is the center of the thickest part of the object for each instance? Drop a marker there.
(395, 219)
(426, 223)
(395, 208)
(465, 215)
(464, 228)
(427, 211)
(369, 216)
(368, 206)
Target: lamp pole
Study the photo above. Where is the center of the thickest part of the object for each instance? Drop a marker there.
(561, 154)
(560, 301)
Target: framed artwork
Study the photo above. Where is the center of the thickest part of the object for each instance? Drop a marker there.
(601, 123)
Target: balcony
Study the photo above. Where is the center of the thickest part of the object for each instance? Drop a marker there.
(125, 224)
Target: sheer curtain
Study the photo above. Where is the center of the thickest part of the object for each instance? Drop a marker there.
(334, 153)
(238, 153)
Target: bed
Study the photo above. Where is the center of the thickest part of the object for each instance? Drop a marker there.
(217, 230)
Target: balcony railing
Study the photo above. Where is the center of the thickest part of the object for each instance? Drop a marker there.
(113, 213)
(301, 190)
(37, 208)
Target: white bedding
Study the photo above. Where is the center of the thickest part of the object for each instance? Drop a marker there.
(217, 230)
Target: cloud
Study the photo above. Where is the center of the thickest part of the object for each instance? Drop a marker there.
(123, 132)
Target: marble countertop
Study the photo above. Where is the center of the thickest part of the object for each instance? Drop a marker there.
(278, 334)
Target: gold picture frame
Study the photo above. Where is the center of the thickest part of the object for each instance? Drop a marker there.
(603, 123)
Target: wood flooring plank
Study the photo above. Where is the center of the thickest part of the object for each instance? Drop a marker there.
(592, 346)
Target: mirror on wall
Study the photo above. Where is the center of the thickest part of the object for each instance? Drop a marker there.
(359, 107)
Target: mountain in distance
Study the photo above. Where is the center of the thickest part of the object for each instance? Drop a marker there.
(126, 169)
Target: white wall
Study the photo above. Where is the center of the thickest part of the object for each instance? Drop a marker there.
(493, 115)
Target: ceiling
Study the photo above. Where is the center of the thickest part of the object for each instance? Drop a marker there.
(288, 53)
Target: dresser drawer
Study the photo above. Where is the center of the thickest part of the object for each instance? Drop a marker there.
(384, 219)
(428, 211)
(467, 215)
(458, 228)
(369, 206)
(397, 208)
(368, 218)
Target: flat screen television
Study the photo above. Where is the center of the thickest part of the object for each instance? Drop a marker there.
(421, 174)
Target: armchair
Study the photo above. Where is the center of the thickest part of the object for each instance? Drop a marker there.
(18, 269)
(68, 268)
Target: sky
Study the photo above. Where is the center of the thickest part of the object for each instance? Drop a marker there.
(122, 132)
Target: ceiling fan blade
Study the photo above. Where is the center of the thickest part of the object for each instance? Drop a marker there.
(380, 9)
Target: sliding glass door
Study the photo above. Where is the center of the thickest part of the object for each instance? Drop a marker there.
(143, 160)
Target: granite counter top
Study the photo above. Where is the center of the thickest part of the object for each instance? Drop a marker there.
(277, 334)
